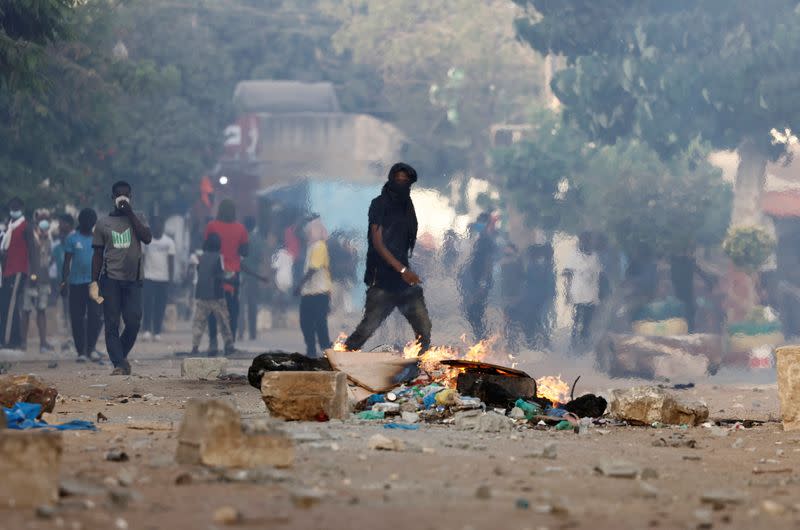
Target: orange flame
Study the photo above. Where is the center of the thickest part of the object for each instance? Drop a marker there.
(339, 344)
(553, 388)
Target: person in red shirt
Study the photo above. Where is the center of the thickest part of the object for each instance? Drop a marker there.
(234, 245)
(16, 253)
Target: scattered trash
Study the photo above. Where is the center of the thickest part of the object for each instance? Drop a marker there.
(371, 415)
(719, 498)
(522, 504)
(483, 492)
(101, 417)
(27, 389)
(23, 416)
(401, 426)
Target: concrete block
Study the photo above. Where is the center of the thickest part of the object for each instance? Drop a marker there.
(211, 434)
(203, 367)
(30, 462)
(645, 405)
(304, 395)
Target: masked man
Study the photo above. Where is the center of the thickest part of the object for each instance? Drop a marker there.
(117, 274)
(390, 282)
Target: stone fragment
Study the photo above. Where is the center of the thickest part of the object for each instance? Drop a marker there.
(788, 366)
(203, 367)
(409, 417)
(549, 451)
(304, 395)
(306, 497)
(517, 414)
(617, 469)
(648, 473)
(27, 389)
(719, 498)
(773, 508)
(645, 405)
(379, 442)
(483, 492)
(475, 420)
(117, 455)
(30, 462)
(227, 515)
(211, 434)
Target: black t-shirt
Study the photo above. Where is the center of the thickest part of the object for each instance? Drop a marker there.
(396, 218)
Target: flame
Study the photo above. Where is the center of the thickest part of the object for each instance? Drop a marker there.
(553, 388)
(339, 344)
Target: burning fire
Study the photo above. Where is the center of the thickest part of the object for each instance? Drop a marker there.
(339, 344)
(553, 388)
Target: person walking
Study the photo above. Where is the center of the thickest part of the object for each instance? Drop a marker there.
(390, 281)
(315, 289)
(582, 274)
(234, 244)
(76, 276)
(37, 290)
(66, 224)
(282, 267)
(252, 279)
(159, 269)
(476, 279)
(16, 251)
(117, 274)
(209, 296)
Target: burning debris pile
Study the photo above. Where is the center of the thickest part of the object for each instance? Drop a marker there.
(449, 381)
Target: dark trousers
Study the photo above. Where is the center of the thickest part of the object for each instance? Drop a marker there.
(123, 299)
(250, 296)
(380, 304)
(154, 295)
(10, 306)
(582, 325)
(314, 311)
(232, 301)
(84, 314)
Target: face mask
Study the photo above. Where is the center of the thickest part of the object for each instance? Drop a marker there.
(15, 214)
(400, 189)
(121, 198)
(44, 225)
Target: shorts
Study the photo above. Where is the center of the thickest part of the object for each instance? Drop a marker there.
(37, 297)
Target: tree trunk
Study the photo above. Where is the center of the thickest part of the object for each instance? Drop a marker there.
(749, 185)
(748, 188)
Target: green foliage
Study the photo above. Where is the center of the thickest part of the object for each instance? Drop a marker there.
(449, 70)
(561, 181)
(142, 91)
(666, 72)
(748, 247)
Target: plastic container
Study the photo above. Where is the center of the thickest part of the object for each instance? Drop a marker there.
(530, 409)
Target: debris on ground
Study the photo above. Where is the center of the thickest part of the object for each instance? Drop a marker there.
(211, 434)
(27, 389)
(30, 463)
(645, 405)
(304, 395)
(208, 368)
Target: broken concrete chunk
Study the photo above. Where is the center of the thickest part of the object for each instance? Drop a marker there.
(617, 469)
(721, 497)
(380, 442)
(203, 367)
(30, 462)
(211, 434)
(27, 389)
(305, 395)
(788, 365)
(645, 405)
(475, 420)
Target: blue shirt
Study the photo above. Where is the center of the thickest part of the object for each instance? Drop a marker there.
(80, 246)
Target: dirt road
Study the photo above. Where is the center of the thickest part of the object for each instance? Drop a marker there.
(445, 479)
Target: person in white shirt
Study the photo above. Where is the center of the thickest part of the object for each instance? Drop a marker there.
(158, 269)
(282, 265)
(582, 273)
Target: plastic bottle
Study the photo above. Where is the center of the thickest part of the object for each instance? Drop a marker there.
(530, 409)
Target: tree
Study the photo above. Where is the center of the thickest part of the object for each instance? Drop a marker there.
(563, 181)
(670, 73)
(449, 70)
